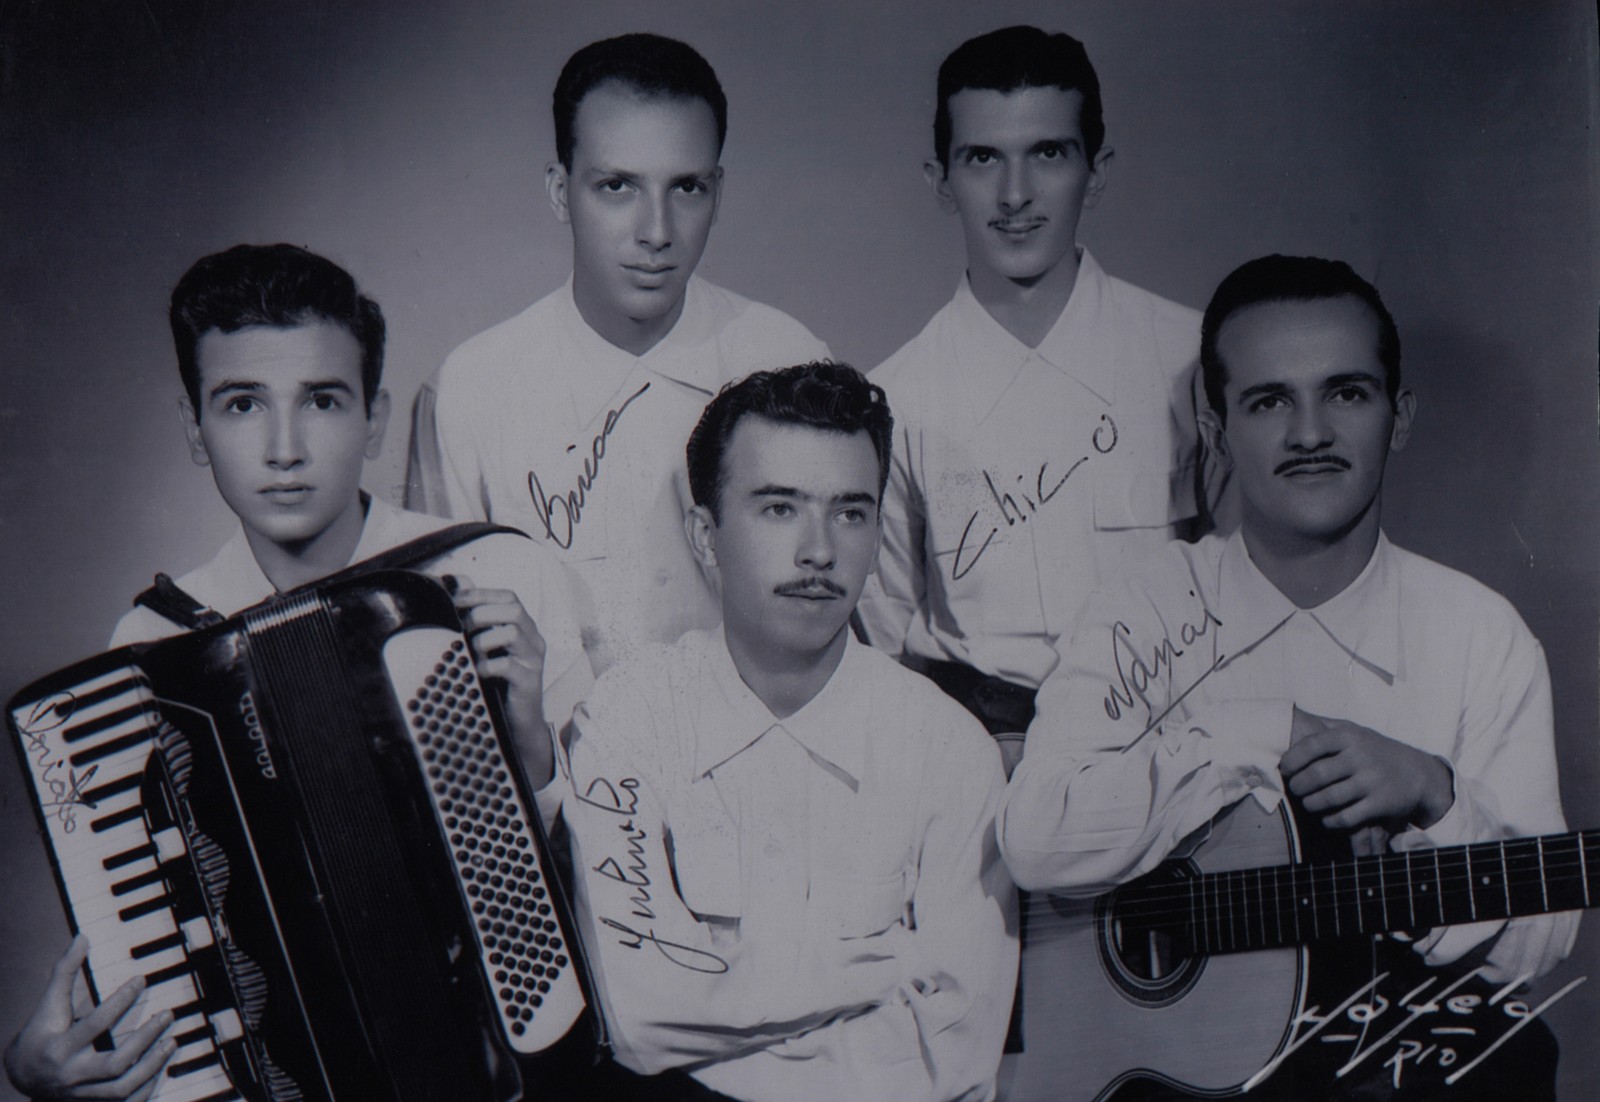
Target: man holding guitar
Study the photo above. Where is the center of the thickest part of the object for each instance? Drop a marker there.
(1396, 703)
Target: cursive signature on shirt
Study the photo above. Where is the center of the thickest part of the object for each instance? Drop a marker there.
(633, 871)
(1136, 671)
(560, 514)
(1046, 484)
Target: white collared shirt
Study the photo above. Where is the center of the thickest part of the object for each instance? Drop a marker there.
(829, 914)
(233, 581)
(542, 424)
(1411, 649)
(1022, 476)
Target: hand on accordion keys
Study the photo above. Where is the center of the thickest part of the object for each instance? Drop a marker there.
(53, 1055)
(509, 651)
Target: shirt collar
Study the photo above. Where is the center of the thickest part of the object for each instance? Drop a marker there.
(236, 580)
(827, 726)
(687, 354)
(1363, 619)
(1075, 345)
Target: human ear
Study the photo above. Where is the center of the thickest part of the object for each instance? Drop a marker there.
(1405, 412)
(191, 431)
(701, 529)
(1099, 170)
(1215, 436)
(555, 189)
(377, 421)
(939, 181)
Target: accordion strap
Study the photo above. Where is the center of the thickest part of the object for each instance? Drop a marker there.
(166, 599)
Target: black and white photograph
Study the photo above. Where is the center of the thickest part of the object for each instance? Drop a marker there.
(895, 550)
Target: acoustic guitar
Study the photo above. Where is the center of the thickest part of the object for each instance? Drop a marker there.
(1201, 977)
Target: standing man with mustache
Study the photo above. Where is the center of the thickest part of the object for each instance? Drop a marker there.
(785, 841)
(1306, 657)
(1046, 415)
(568, 420)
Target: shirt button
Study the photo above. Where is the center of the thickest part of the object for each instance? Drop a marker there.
(1253, 778)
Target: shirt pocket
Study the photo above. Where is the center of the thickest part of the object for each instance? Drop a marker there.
(857, 906)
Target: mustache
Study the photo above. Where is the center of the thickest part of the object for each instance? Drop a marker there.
(805, 585)
(1312, 461)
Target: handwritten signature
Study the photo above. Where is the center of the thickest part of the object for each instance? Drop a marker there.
(1450, 1015)
(59, 780)
(560, 514)
(1103, 440)
(1136, 671)
(622, 799)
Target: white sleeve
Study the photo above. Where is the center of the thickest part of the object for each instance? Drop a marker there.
(1107, 790)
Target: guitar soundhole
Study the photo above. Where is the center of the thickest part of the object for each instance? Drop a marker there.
(1148, 960)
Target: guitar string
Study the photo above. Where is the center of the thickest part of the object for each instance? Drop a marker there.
(1343, 885)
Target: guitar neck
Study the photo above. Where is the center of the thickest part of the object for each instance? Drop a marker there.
(1280, 905)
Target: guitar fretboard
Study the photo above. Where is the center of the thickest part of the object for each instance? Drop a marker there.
(1262, 908)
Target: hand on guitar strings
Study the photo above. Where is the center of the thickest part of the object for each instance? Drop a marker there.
(509, 651)
(1353, 777)
(53, 1055)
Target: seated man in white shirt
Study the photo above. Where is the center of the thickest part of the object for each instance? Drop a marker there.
(568, 420)
(281, 359)
(1046, 415)
(1396, 702)
(784, 840)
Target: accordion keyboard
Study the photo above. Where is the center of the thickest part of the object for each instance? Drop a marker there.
(87, 748)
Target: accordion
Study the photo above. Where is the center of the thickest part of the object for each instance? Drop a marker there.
(305, 827)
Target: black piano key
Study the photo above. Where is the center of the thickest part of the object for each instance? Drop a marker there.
(127, 857)
(149, 906)
(134, 883)
(189, 1067)
(124, 783)
(109, 747)
(106, 722)
(171, 972)
(82, 701)
(160, 944)
(193, 1006)
(116, 818)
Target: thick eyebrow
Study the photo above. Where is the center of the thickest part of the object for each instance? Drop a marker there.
(967, 150)
(1260, 390)
(1365, 378)
(247, 386)
(1049, 143)
(850, 497)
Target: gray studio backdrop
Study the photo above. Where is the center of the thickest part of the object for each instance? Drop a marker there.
(1444, 149)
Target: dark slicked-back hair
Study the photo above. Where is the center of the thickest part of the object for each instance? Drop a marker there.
(283, 286)
(1279, 278)
(649, 64)
(834, 397)
(1020, 57)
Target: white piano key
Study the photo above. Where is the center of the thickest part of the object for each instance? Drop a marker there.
(124, 937)
(169, 844)
(197, 933)
(189, 1088)
(163, 996)
(201, 1047)
(226, 1026)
